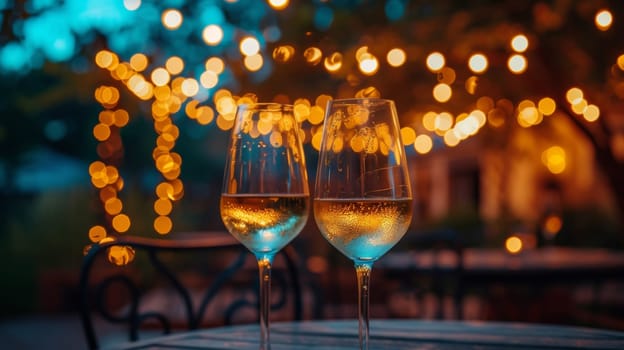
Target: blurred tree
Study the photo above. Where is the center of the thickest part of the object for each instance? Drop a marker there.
(569, 44)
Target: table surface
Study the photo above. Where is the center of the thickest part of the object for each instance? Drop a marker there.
(391, 334)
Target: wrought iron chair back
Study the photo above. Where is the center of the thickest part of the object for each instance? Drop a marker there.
(434, 279)
(233, 266)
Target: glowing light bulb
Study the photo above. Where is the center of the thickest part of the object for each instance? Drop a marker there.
(603, 20)
(435, 61)
(396, 57)
(212, 34)
(517, 64)
(172, 19)
(520, 43)
(478, 63)
(249, 46)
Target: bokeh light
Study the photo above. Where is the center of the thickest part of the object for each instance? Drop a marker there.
(517, 64)
(249, 46)
(435, 61)
(513, 244)
(603, 20)
(478, 63)
(423, 144)
(554, 158)
(212, 34)
(172, 19)
(396, 57)
(520, 43)
(279, 4)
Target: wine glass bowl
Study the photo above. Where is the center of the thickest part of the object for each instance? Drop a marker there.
(363, 197)
(265, 196)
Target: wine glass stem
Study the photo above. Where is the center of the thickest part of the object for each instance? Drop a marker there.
(363, 271)
(264, 267)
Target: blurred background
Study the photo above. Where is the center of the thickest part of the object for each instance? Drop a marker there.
(115, 117)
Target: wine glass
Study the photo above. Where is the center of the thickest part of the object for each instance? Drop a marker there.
(265, 196)
(363, 197)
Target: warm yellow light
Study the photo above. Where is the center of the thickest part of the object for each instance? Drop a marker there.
(121, 223)
(113, 206)
(121, 255)
(408, 135)
(423, 144)
(223, 123)
(520, 43)
(528, 116)
(97, 233)
(225, 105)
(479, 117)
(450, 138)
(435, 61)
(175, 65)
(513, 244)
(249, 46)
(547, 106)
(302, 112)
(580, 106)
(620, 62)
(316, 139)
(140, 87)
(429, 120)
(106, 59)
(209, 79)
(316, 115)
(283, 53)
(554, 158)
(163, 206)
(107, 117)
(138, 62)
(212, 34)
(442, 92)
(160, 76)
(478, 63)
(443, 121)
(322, 100)
(253, 63)
(163, 225)
(204, 115)
(446, 75)
(603, 20)
(190, 87)
(215, 64)
(591, 113)
(333, 62)
(164, 190)
(552, 225)
(172, 19)
(278, 4)
(396, 57)
(574, 95)
(101, 132)
(313, 55)
(368, 64)
(517, 63)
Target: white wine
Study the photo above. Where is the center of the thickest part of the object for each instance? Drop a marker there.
(363, 229)
(264, 223)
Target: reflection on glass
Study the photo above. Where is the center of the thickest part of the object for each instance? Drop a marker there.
(265, 196)
(363, 198)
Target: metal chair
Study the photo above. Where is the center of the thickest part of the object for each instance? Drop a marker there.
(441, 277)
(227, 267)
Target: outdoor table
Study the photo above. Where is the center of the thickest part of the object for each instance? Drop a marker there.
(394, 334)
